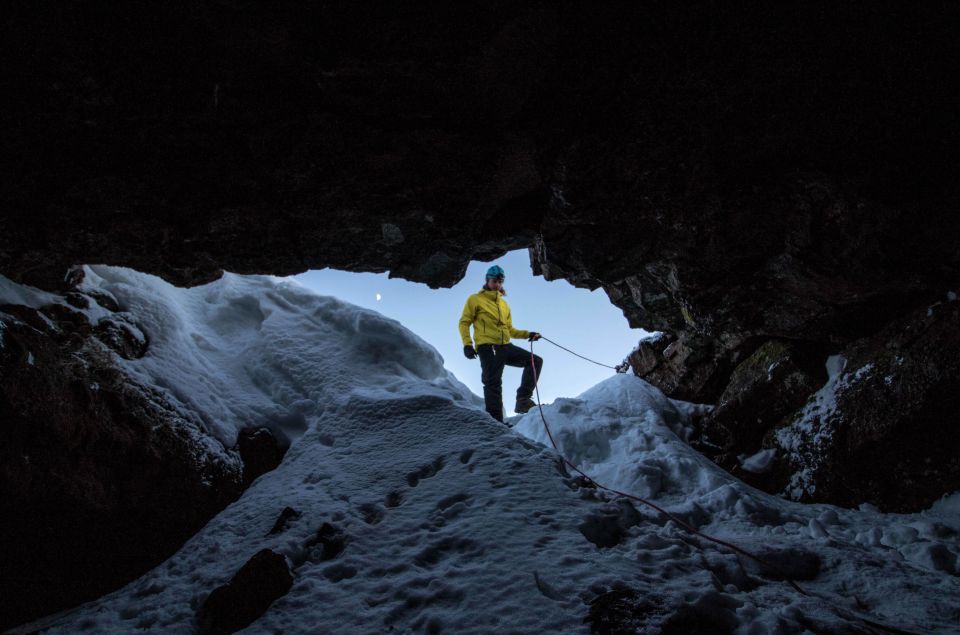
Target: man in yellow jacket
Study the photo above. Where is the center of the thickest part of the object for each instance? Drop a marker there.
(489, 314)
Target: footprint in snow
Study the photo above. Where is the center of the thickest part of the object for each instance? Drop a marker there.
(326, 439)
(447, 547)
(393, 499)
(371, 513)
(339, 572)
(328, 543)
(450, 507)
(450, 501)
(424, 472)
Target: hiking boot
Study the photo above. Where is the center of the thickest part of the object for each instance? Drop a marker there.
(523, 405)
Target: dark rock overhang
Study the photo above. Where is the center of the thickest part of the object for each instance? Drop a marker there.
(787, 171)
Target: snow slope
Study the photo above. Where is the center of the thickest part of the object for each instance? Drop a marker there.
(261, 350)
(455, 523)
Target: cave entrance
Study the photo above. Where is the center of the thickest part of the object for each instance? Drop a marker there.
(582, 320)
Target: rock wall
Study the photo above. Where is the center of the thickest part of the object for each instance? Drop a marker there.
(879, 427)
(101, 478)
(885, 430)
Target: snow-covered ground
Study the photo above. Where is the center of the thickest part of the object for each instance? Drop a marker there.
(455, 523)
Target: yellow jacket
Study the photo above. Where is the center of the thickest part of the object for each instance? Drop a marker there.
(489, 314)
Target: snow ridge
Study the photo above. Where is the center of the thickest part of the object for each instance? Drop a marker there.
(259, 350)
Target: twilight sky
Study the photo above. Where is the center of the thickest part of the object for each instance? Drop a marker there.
(581, 320)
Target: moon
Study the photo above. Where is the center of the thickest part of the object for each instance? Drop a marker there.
(378, 297)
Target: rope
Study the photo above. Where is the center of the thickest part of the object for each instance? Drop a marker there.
(678, 521)
(620, 368)
(644, 501)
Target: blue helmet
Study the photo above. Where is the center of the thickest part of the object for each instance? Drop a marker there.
(496, 272)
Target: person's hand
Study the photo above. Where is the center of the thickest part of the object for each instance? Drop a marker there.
(534, 336)
(469, 352)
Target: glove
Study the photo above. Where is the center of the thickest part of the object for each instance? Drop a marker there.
(534, 336)
(469, 352)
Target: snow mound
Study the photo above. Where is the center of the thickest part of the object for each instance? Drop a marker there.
(451, 522)
(624, 433)
(259, 350)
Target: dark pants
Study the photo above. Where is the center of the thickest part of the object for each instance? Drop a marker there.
(493, 357)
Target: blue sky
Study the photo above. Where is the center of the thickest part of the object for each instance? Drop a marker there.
(583, 321)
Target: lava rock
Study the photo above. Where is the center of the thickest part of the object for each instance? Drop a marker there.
(101, 478)
(261, 581)
(77, 300)
(796, 366)
(287, 516)
(649, 354)
(261, 451)
(689, 367)
(621, 611)
(124, 338)
(104, 298)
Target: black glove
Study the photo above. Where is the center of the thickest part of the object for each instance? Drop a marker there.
(469, 352)
(534, 336)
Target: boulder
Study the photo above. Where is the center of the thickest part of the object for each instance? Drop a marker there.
(261, 451)
(622, 610)
(286, 517)
(764, 389)
(123, 336)
(689, 366)
(234, 606)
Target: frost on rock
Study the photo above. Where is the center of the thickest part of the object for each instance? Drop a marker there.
(804, 440)
(760, 462)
